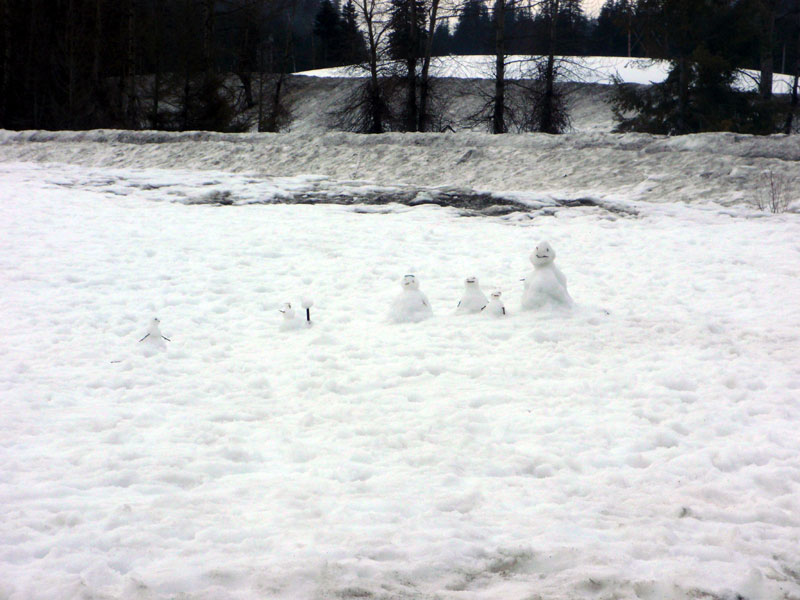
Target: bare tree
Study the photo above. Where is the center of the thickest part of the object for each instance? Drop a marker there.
(425, 79)
(5, 30)
(498, 114)
(789, 125)
(548, 120)
(772, 193)
(131, 117)
(367, 108)
(767, 10)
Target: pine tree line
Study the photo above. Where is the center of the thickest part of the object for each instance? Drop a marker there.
(213, 64)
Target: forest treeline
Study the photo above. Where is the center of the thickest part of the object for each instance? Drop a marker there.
(170, 64)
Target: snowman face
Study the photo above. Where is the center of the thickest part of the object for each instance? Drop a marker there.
(286, 308)
(496, 295)
(156, 321)
(471, 282)
(410, 283)
(543, 254)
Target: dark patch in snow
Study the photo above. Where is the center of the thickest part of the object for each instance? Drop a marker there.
(469, 203)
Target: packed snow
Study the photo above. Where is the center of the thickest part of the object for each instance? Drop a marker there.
(641, 445)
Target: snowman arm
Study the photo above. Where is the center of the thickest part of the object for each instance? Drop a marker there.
(504, 310)
(459, 304)
(147, 335)
(166, 338)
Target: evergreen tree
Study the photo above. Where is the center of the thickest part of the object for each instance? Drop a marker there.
(442, 40)
(473, 32)
(329, 29)
(701, 41)
(355, 48)
(405, 39)
(609, 36)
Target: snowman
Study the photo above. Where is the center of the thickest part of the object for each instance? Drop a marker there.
(546, 285)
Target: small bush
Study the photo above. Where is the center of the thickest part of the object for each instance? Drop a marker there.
(772, 193)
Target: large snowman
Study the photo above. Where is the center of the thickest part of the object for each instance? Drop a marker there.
(411, 306)
(546, 285)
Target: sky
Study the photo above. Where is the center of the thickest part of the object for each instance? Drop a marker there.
(592, 7)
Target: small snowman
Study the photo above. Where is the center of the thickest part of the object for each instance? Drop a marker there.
(411, 306)
(153, 335)
(546, 285)
(153, 341)
(495, 308)
(473, 300)
(290, 319)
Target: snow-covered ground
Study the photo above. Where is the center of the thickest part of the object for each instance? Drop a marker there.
(583, 69)
(642, 446)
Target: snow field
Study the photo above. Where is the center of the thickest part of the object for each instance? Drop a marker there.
(647, 453)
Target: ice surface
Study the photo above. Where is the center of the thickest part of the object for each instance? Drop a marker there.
(651, 452)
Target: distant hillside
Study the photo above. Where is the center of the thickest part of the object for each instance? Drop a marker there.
(465, 80)
(315, 99)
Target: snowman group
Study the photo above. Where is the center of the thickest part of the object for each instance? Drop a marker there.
(545, 286)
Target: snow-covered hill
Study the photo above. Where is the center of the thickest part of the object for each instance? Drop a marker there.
(576, 69)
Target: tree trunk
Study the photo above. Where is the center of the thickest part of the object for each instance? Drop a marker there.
(243, 70)
(768, 9)
(276, 108)
(260, 87)
(155, 119)
(424, 84)
(630, 29)
(71, 43)
(375, 104)
(683, 94)
(411, 68)
(498, 114)
(97, 42)
(208, 36)
(130, 66)
(547, 123)
(789, 125)
(5, 15)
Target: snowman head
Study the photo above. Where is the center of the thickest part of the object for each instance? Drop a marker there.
(496, 295)
(471, 282)
(410, 282)
(287, 310)
(543, 254)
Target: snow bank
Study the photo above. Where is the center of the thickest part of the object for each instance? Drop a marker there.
(722, 168)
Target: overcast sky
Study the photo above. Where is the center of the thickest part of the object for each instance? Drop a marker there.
(592, 7)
